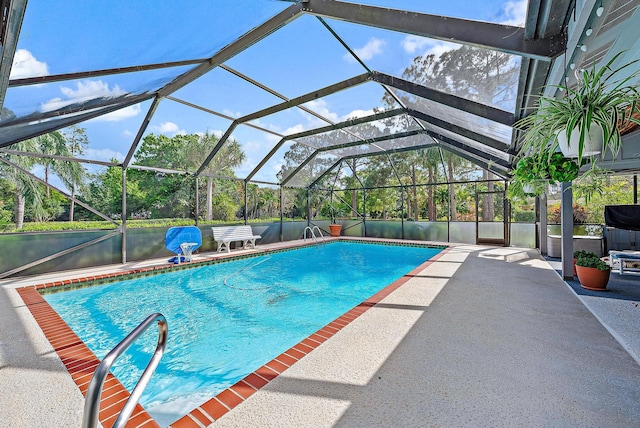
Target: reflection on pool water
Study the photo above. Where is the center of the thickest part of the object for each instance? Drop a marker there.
(227, 319)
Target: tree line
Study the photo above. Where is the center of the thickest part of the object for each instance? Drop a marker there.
(475, 74)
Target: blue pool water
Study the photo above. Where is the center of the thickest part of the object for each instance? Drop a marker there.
(227, 319)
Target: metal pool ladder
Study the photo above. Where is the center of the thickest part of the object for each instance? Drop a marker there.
(92, 401)
(313, 235)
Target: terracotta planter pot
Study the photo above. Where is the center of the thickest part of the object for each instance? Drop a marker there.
(593, 278)
(334, 229)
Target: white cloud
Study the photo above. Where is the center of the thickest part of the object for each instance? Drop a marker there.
(168, 127)
(217, 132)
(84, 91)
(254, 152)
(294, 129)
(514, 13)
(421, 46)
(230, 113)
(412, 43)
(269, 126)
(118, 115)
(320, 107)
(253, 147)
(26, 65)
(54, 103)
(368, 51)
(103, 155)
(273, 139)
(89, 89)
(357, 113)
(440, 48)
(127, 133)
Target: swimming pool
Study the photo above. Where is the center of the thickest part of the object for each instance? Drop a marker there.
(227, 319)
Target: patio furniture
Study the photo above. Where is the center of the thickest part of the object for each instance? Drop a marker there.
(225, 235)
(625, 262)
(623, 227)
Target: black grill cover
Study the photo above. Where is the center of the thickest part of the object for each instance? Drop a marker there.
(622, 216)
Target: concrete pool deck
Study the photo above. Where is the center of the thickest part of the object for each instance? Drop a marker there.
(483, 336)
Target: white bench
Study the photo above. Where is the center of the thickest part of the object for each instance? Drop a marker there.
(625, 261)
(225, 235)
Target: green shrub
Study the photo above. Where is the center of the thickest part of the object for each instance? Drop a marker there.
(53, 226)
(582, 253)
(524, 216)
(592, 262)
(580, 214)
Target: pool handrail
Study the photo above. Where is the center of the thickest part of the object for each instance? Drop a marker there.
(94, 391)
(313, 235)
(319, 231)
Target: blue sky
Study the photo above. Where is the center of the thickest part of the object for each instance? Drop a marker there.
(77, 35)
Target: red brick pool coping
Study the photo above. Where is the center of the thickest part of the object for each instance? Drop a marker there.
(80, 362)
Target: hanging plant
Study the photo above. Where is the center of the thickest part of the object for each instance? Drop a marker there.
(601, 103)
(532, 168)
(519, 189)
(562, 169)
(590, 183)
(533, 173)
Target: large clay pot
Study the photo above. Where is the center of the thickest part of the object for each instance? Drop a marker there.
(593, 278)
(592, 142)
(334, 229)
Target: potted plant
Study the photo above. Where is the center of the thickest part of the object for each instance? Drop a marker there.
(533, 173)
(562, 169)
(519, 189)
(580, 253)
(533, 167)
(335, 210)
(591, 183)
(593, 273)
(601, 102)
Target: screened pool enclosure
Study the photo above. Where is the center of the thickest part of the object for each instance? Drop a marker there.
(396, 117)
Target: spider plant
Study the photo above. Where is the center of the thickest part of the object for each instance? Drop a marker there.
(601, 98)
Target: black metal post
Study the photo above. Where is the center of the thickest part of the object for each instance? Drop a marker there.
(402, 210)
(308, 209)
(246, 205)
(281, 217)
(364, 212)
(197, 196)
(124, 215)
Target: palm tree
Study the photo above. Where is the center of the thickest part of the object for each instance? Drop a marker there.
(22, 183)
(271, 201)
(55, 144)
(254, 200)
(453, 161)
(74, 176)
(69, 144)
(430, 161)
